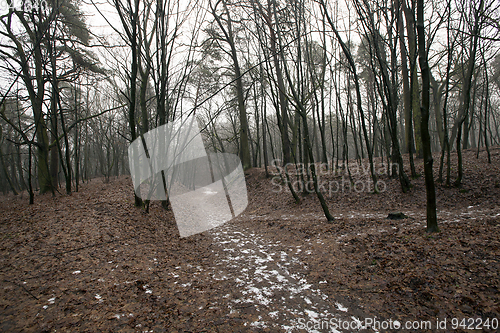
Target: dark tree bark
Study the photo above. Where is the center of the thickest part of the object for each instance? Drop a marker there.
(229, 38)
(464, 109)
(352, 65)
(432, 225)
(131, 32)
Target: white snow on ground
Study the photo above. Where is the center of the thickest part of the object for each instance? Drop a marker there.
(266, 282)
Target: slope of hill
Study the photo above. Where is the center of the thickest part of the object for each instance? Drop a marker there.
(93, 262)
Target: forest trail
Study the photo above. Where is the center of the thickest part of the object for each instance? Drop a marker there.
(268, 285)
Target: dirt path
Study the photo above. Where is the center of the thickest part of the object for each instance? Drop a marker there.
(269, 284)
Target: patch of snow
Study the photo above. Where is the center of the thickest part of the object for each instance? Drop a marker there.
(341, 307)
(259, 324)
(311, 314)
(265, 282)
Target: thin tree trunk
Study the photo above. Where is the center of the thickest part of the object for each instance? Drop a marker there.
(464, 112)
(132, 36)
(4, 167)
(486, 76)
(350, 59)
(228, 33)
(415, 89)
(432, 225)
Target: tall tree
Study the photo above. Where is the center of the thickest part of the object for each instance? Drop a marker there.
(37, 38)
(30, 57)
(270, 18)
(352, 66)
(466, 95)
(225, 23)
(426, 139)
(129, 17)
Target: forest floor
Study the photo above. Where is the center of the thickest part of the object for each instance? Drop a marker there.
(92, 262)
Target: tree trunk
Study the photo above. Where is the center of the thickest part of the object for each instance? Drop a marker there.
(132, 36)
(228, 34)
(350, 59)
(432, 225)
(464, 109)
(487, 101)
(415, 88)
(406, 86)
(4, 167)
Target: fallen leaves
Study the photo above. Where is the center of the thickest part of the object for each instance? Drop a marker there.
(94, 262)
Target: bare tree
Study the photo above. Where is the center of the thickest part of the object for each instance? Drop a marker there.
(225, 23)
(352, 65)
(426, 139)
